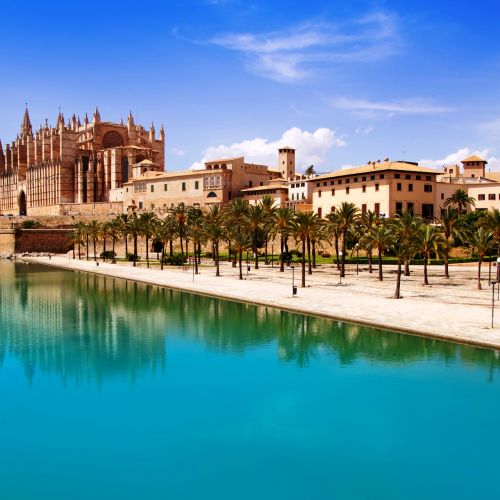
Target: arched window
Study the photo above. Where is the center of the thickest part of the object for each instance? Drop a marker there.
(112, 139)
(211, 195)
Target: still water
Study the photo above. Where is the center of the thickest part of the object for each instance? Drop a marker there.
(112, 389)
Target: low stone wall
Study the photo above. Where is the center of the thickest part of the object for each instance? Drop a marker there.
(34, 240)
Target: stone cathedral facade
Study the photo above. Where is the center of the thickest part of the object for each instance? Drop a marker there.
(48, 171)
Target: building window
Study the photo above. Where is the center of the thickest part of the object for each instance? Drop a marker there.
(372, 177)
(293, 196)
(261, 183)
(363, 208)
(427, 188)
(152, 188)
(473, 175)
(410, 187)
(320, 212)
(355, 179)
(397, 176)
(409, 207)
(347, 190)
(377, 209)
(317, 184)
(319, 194)
(364, 189)
(152, 206)
(184, 186)
(427, 210)
(491, 196)
(332, 209)
(428, 178)
(399, 186)
(196, 184)
(250, 184)
(325, 183)
(481, 197)
(363, 178)
(418, 177)
(229, 195)
(407, 176)
(140, 205)
(347, 181)
(376, 187)
(303, 184)
(399, 207)
(382, 176)
(164, 187)
(333, 192)
(442, 196)
(339, 181)
(126, 189)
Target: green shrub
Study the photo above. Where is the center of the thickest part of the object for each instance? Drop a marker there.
(30, 224)
(131, 257)
(108, 255)
(175, 260)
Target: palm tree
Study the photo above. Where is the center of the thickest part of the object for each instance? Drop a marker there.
(333, 229)
(282, 227)
(316, 234)
(79, 230)
(427, 242)
(309, 171)
(268, 208)
(103, 235)
(180, 215)
(482, 241)
(254, 221)
(301, 227)
(461, 200)
(114, 230)
(369, 220)
(402, 248)
(347, 215)
(214, 231)
(241, 241)
(195, 229)
(122, 220)
(409, 225)
(94, 231)
(134, 228)
(381, 238)
(443, 250)
(491, 221)
(147, 222)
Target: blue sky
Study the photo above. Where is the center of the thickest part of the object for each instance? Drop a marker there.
(344, 82)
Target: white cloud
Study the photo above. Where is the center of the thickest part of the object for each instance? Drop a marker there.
(297, 53)
(389, 108)
(178, 152)
(462, 153)
(311, 148)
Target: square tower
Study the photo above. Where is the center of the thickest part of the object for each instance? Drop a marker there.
(286, 162)
(474, 166)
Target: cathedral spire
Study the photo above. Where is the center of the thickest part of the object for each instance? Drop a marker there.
(97, 117)
(162, 133)
(26, 124)
(60, 120)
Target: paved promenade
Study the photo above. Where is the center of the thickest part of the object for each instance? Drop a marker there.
(449, 309)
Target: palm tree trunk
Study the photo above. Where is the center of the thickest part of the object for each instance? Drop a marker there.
(79, 248)
(171, 247)
(199, 252)
(256, 258)
(87, 247)
(216, 256)
(162, 256)
(195, 259)
(135, 251)
(337, 252)
(426, 279)
(380, 274)
(407, 267)
(309, 268)
(342, 271)
(479, 287)
(187, 248)
(370, 267)
(303, 263)
(397, 293)
(282, 257)
(446, 274)
(104, 249)
(240, 262)
(126, 246)
(266, 260)
(95, 251)
(314, 253)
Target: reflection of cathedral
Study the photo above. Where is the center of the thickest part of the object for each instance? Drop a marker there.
(74, 163)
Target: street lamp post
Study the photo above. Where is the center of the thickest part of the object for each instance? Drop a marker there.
(489, 269)
(340, 270)
(294, 288)
(272, 255)
(498, 278)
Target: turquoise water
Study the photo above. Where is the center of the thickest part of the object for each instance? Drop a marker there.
(111, 389)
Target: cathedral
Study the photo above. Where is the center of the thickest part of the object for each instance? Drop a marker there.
(45, 172)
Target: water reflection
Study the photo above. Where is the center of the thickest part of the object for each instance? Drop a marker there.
(88, 328)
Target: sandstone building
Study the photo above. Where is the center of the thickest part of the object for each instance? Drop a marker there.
(74, 166)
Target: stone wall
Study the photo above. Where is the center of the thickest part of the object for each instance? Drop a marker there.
(34, 240)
